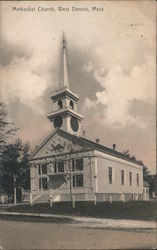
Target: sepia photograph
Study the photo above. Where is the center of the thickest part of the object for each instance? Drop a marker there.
(78, 125)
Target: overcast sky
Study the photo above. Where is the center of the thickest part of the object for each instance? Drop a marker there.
(111, 59)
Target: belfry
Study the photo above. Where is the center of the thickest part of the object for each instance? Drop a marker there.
(65, 113)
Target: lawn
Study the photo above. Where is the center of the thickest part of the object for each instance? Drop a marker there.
(138, 210)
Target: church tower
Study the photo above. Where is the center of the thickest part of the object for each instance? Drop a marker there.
(65, 113)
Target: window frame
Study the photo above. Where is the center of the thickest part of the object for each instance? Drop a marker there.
(42, 166)
(137, 179)
(39, 170)
(110, 175)
(75, 167)
(39, 183)
(60, 162)
(76, 182)
(122, 177)
(56, 165)
(130, 178)
(42, 181)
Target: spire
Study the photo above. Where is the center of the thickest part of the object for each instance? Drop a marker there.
(64, 68)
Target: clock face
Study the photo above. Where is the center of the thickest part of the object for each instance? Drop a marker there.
(74, 124)
(58, 121)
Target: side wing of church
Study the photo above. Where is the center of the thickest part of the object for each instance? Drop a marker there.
(67, 165)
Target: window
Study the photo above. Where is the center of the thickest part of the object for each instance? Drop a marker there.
(74, 178)
(73, 165)
(60, 104)
(71, 105)
(44, 183)
(61, 167)
(147, 191)
(78, 180)
(55, 167)
(137, 179)
(122, 177)
(110, 175)
(44, 169)
(39, 170)
(77, 165)
(130, 178)
(39, 183)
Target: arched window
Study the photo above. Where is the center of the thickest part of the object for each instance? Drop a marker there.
(71, 105)
(60, 104)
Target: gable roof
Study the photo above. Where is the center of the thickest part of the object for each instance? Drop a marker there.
(85, 143)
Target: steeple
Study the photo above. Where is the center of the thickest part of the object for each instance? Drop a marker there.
(64, 67)
(65, 103)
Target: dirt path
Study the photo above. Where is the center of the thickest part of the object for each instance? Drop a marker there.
(41, 235)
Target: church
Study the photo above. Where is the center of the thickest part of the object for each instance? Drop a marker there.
(67, 165)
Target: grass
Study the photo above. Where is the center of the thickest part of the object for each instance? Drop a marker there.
(138, 210)
(34, 219)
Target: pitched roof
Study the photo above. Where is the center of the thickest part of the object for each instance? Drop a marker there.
(82, 141)
(85, 143)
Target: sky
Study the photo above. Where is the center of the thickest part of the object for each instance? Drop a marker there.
(112, 66)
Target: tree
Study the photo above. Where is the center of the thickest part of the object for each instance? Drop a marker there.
(6, 128)
(133, 157)
(153, 184)
(71, 156)
(128, 155)
(15, 163)
(71, 150)
(152, 180)
(145, 173)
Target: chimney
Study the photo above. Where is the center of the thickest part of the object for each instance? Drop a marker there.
(114, 146)
(97, 140)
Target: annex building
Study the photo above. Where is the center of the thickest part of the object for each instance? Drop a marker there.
(67, 164)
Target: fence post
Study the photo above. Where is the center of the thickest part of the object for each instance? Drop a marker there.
(14, 196)
(95, 199)
(73, 201)
(123, 198)
(50, 198)
(31, 200)
(51, 201)
(104, 198)
(110, 198)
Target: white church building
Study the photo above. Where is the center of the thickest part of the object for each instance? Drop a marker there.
(67, 164)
